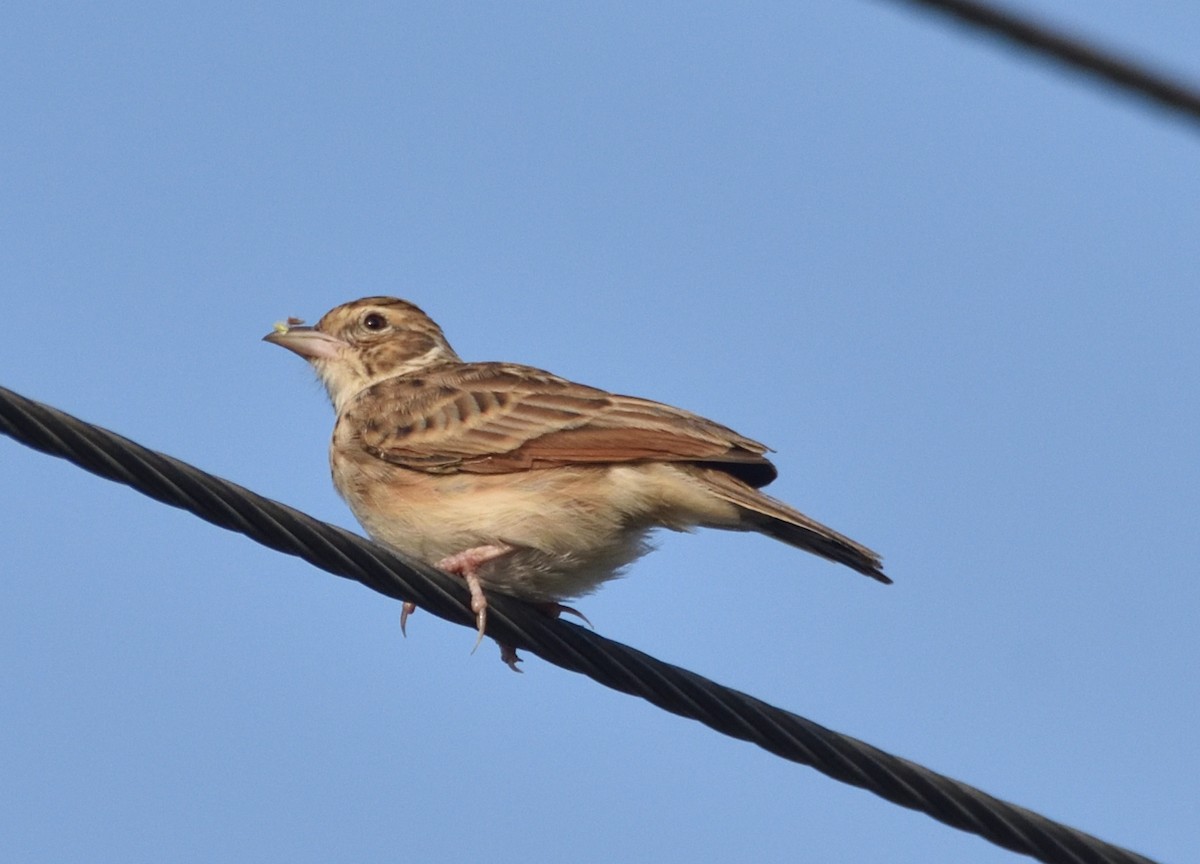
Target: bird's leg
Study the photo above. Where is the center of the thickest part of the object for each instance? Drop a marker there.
(466, 564)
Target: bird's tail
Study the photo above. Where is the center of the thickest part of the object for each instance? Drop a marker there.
(769, 516)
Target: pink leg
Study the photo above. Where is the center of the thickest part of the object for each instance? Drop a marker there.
(466, 564)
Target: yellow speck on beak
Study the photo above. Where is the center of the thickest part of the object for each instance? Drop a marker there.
(280, 327)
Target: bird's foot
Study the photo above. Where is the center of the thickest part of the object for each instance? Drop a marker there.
(466, 565)
(407, 609)
(553, 610)
(509, 655)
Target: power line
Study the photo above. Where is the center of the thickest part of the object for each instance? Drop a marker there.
(1075, 52)
(566, 645)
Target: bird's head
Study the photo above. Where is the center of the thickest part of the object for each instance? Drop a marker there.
(363, 342)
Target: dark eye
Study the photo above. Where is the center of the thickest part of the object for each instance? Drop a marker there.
(374, 321)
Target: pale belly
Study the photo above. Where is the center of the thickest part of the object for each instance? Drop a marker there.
(571, 529)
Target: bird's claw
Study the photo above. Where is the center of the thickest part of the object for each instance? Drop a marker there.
(480, 623)
(509, 655)
(556, 609)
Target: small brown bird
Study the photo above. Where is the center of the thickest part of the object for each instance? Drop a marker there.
(519, 481)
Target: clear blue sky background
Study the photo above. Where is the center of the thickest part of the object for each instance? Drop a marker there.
(954, 288)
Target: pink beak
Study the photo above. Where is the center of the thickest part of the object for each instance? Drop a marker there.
(309, 343)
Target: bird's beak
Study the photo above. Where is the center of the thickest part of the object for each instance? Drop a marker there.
(308, 342)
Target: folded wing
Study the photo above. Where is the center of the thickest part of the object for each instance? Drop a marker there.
(500, 418)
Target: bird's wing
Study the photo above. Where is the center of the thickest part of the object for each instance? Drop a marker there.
(500, 418)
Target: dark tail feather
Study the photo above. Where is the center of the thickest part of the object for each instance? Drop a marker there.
(775, 519)
(816, 538)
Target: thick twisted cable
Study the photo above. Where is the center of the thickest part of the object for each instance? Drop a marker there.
(1072, 51)
(566, 645)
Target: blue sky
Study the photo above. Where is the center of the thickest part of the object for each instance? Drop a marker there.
(954, 288)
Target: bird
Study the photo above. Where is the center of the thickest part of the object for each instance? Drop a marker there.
(519, 481)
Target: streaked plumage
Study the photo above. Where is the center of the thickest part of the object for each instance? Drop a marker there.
(563, 482)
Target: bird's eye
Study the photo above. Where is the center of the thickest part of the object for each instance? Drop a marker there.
(374, 321)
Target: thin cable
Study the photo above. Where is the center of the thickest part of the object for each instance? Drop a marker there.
(566, 645)
(1042, 39)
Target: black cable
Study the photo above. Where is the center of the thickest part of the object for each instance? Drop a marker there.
(1075, 52)
(612, 664)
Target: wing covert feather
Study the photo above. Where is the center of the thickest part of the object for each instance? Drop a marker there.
(498, 418)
